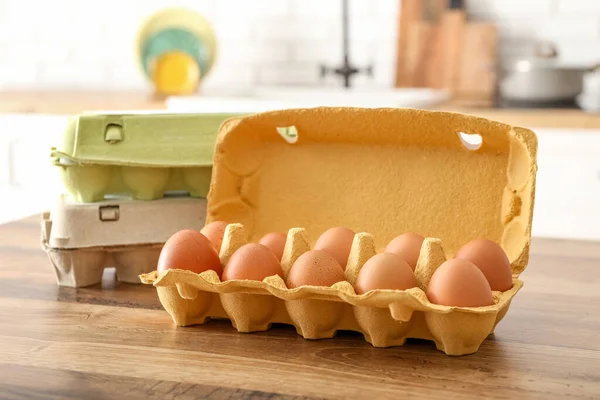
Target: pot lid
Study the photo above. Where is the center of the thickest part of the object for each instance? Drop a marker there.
(544, 56)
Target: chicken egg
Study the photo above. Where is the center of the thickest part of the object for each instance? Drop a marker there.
(408, 246)
(252, 261)
(274, 241)
(385, 271)
(336, 241)
(459, 283)
(190, 250)
(491, 260)
(315, 268)
(215, 232)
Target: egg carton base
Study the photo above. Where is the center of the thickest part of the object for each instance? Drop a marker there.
(78, 268)
(386, 318)
(454, 334)
(80, 243)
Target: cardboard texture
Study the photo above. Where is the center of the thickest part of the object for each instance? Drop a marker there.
(380, 172)
(143, 155)
(82, 239)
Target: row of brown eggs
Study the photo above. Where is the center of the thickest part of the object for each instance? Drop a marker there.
(467, 280)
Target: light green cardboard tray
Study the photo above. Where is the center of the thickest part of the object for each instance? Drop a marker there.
(142, 155)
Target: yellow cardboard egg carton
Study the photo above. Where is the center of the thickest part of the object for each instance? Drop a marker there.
(385, 317)
(382, 171)
(82, 239)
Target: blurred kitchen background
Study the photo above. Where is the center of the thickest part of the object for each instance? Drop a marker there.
(528, 63)
(74, 44)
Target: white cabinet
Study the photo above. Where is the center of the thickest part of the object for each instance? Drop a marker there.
(28, 182)
(567, 199)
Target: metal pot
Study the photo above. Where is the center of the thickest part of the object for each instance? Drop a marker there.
(541, 79)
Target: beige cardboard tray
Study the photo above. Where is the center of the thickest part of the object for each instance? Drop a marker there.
(82, 239)
(380, 172)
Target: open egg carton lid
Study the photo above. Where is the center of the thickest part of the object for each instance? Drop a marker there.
(384, 171)
(140, 139)
(119, 221)
(381, 172)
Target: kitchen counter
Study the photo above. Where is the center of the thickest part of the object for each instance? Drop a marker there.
(72, 102)
(534, 118)
(116, 341)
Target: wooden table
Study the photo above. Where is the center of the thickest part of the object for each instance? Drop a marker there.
(116, 341)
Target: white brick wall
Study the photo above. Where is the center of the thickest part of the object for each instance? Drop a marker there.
(89, 44)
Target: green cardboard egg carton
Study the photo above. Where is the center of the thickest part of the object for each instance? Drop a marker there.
(143, 155)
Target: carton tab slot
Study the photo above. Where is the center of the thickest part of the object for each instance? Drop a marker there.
(113, 133)
(109, 213)
(289, 133)
(471, 141)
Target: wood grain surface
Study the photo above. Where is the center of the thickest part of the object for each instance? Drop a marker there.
(115, 341)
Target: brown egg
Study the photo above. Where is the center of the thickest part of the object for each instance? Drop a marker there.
(252, 261)
(385, 271)
(491, 260)
(274, 241)
(189, 249)
(215, 232)
(459, 283)
(315, 268)
(337, 242)
(408, 246)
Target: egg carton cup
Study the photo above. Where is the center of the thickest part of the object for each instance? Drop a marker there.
(82, 239)
(449, 177)
(142, 155)
(385, 317)
(92, 183)
(85, 267)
